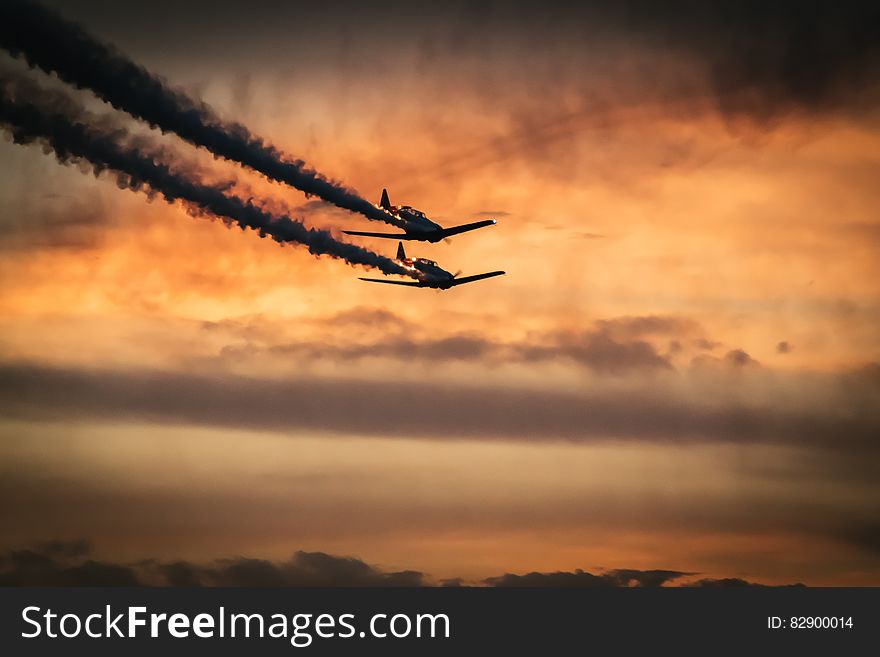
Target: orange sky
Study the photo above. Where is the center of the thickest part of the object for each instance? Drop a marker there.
(658, 253)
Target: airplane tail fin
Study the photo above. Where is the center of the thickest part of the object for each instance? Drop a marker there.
(385, 203)
(401, 254)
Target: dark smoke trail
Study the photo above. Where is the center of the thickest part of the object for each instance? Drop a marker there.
(65, 129)
(47, 41)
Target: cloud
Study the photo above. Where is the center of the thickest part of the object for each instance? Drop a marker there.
(433, 409)
(615, 578)
(256, 333)
(597, 350)
(606, 68)
(367, 316)
(56, 564)
(303, 569)
(766, 59)
(735, 359)
(868, 373)
(66, 549)
(583, 579)
(50, 42)
(53, 222)
(460, 347)
(61, 563)
(864, 536)
(46, 566)
(35, 115)
(613, 346)
(630, 327)
(728, 583)
(739, 358)
(452, 583)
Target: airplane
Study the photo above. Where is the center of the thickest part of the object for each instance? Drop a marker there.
(416, 224)
(429, 273)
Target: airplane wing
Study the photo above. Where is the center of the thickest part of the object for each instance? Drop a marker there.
(443, 233)
(477, 277)
(382, 280)
(396, 236)
(463, 228)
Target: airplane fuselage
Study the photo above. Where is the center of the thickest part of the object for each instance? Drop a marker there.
(416, 225)
(416, 222)
(428, 273)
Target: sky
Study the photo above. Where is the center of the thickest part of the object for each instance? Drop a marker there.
(680, 371)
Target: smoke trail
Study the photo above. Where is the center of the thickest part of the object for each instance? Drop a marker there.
(48, 41)
(67, 131)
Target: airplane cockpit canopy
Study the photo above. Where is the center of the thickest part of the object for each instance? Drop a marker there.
(425, 261)
(418, 213)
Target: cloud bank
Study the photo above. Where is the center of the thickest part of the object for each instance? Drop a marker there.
(432, 409)
(68, 563)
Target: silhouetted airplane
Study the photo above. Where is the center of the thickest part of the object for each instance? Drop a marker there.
(416, 225)
(429, 273)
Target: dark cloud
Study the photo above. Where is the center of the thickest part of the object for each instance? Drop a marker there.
(597, 350)
(753, 59)
(563, 69)
(613, 578)
(461, 347)
(783, 347)
(614, 346)
(66, 549)
(763, 60)
(55, 120)
(254, 332)
(869, 373)
(303, 569)
(432, 409)
(54, 44)
(705, 344)
(739, 358)
(725, 583)
(582, 579)
(813, 56)
(452, 583)
(865, 536)
(629, 327)
(373, 317)
(53, 222)
(180, 573)
(728, 583)
(60, 566)
(735, 359)
(628, 577)
(57, 564)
